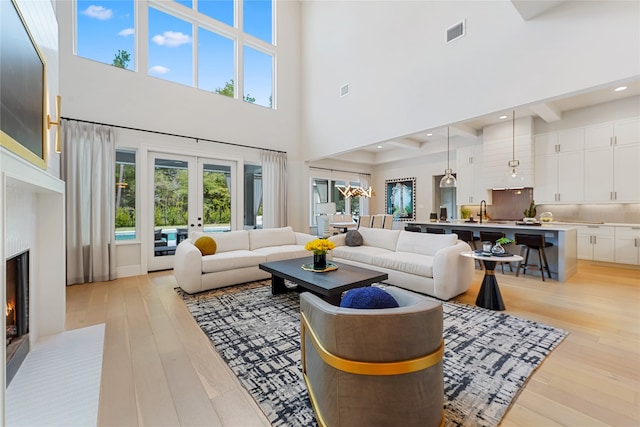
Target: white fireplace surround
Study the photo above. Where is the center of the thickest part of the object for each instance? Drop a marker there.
(32, 217)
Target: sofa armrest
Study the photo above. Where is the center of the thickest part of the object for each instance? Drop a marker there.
(187, 267)
(303, 238)
(452, 273)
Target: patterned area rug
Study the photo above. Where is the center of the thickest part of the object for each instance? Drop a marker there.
(489, 356)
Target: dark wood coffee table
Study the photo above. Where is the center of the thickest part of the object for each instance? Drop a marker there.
(328, 286)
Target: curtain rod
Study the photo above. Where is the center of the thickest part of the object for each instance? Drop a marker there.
(173, 134)
(338, 170)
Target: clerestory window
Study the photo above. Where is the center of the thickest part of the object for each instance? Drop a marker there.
(199, 43)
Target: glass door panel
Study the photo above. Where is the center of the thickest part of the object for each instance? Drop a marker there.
(172, 188)
(189, 194)
(216, 195)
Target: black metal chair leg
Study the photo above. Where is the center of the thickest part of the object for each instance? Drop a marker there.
(546, 264)
(541, 264)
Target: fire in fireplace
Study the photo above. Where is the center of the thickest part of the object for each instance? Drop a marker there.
(17, 312)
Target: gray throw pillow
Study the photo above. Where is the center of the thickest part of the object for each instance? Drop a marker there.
(353, 238)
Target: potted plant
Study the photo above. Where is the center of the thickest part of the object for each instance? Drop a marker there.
(530, 213)
(465, 213)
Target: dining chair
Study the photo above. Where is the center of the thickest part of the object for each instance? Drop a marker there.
(364, 221)
(377, 221)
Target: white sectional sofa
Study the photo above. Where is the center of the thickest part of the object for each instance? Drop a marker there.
(236, 258)
(427, 263)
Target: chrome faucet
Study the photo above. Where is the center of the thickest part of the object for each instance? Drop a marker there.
(483, 202)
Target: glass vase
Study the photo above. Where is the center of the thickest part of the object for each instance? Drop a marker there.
(319, 261)
(497, 249)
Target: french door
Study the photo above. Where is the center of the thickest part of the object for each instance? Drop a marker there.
(188, 193)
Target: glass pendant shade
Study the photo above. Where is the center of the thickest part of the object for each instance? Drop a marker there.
(448, 180)
(514, 180)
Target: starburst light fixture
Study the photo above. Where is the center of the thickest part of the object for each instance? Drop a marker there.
(349, 191)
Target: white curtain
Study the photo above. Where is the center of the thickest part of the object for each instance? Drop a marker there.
(257, 198)
(88, 169)
(274, 189)
(364, 201)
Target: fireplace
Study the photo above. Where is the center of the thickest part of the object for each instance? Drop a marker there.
(17, 312)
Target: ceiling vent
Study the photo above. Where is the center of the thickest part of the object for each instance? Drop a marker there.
(455, 32)
(344, 90)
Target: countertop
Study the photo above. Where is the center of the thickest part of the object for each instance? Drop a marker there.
(554, 226)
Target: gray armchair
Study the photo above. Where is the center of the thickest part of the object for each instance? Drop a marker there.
(377, 367)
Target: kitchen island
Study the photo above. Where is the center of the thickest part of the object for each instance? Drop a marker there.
(562, 256)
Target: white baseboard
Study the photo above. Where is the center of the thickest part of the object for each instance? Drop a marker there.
(130, 270)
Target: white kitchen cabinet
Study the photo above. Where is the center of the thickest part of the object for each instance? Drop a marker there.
(596, 242)
(545, 187)
(627, 245)
(470, 183)
(598, 180)
(612, 153)
(559, 167)
(626, 173)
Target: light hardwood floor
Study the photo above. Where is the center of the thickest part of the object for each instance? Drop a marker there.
(159, 368)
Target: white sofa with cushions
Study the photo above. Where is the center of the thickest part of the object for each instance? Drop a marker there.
(237, 256)
(422, 262)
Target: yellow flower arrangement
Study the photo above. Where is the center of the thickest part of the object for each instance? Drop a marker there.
(319, 246)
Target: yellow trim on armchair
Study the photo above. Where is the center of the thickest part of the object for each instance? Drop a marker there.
(369, 368)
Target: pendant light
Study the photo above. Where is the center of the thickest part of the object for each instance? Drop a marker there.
(514, 180)
(448, 180)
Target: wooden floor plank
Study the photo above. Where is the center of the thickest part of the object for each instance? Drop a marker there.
(155, 403)
(214, 373)
(189, 396)
(118, 402)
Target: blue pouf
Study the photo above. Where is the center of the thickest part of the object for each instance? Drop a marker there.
(368, 297)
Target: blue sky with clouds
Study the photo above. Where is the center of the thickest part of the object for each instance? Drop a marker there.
(104, 27)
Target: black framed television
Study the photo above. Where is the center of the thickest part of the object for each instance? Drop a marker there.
(23, 103)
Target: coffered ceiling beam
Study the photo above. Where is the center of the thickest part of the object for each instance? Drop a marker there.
(462, 129)
(547, 112)
(405, 143)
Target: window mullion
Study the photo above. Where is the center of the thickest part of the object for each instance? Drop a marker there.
(239, 72)
(194, 52)
(141, 59)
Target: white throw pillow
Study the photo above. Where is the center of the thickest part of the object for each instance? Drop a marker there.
(379, 237)
(424, 243)
(231, 240)
(262, 238)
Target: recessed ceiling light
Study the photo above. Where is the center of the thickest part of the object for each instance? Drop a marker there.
(379, 146)
(429, 134)
(503, 117)
(620, 89)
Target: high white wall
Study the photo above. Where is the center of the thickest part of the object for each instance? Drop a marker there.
(404, 78)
